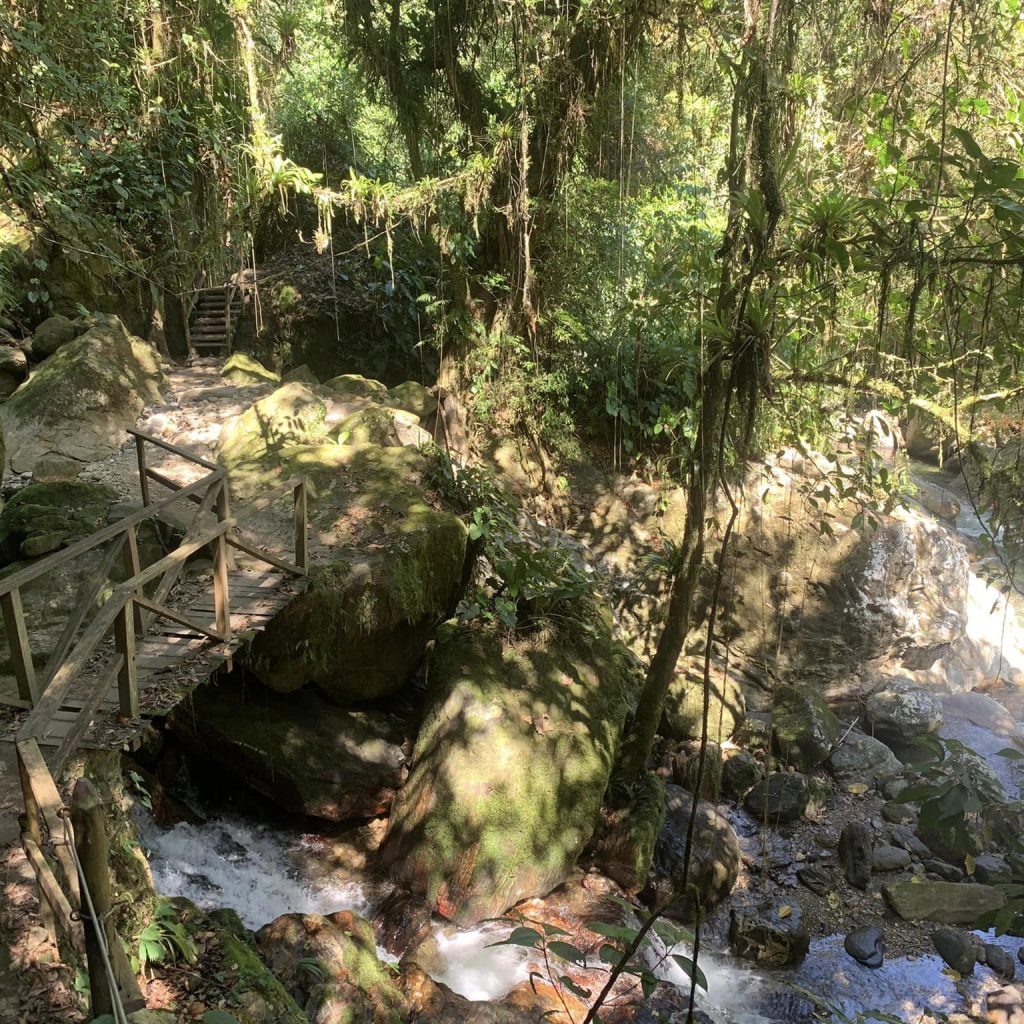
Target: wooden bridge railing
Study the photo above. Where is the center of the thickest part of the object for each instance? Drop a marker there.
(129, 609)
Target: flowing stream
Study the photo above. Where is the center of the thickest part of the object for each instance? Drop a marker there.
(262, 872)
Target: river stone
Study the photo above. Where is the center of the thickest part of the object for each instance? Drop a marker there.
(804, 729)
(740, 773)
(904, 712)
(942, 870)
(81, 400)
(715, 861)
(992, 870)
(761, 935)
(899, 814)
(514, 753)
(1005, 1006)
(53, 333)
(957, 949)
(999, 960)
(863, 759)
(889, 858)
(818, 879)
(242, 368)
(684, 704)
(357, 386)
(943, 902)
(866, 945)
(855, 854)
(302, 375)
(782, 796)
(300, 751)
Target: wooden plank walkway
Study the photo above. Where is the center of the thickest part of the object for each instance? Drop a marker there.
(139, 652)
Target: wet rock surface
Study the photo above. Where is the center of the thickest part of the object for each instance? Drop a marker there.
(866, 945)
(768, 937)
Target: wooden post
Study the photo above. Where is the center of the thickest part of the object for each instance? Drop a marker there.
(91, 844)
(127, 681)
(35, 834)
(132, 568)
(221, 593)
(301, 535)
(140, 455)
(17, 640)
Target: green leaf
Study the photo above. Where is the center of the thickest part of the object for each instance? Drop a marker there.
(968, 141)
(1011, 754)
(520, 937)
(613, 931)
(567, 951)
(610, 955)
(693, 972)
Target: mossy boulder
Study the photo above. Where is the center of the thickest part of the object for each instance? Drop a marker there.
(626, 848)
(13, 368)
(53, 333)
(684, 705)
(241, 368)
(804, 729)
(350, 985)
(412, 397)
(513, 756)
(378, 425)
(358, 386)
(44, 517)
(301, 375)
(81, 400)
(300, 751)
(361, 627)
(251, 443)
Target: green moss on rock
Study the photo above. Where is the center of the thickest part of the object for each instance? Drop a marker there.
(511, 764)
(241, 368)
(80, 401)
(354, 384)
(627, 845)
(684, 705)
(412, 397)
(51, 334)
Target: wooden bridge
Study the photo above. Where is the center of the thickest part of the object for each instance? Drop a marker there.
(158, 632)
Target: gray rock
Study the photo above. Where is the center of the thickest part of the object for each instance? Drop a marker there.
(804, 729)
(760, 935)
(51, 334)
(999, 960)
(716, 858)
(943, 902)
(905, 836)
(899, 814)
(904, 712)
(890, 858)
(866, 945)
(947, 872)
(957, 949)
(13, 369)
(782, 796)
(303, 374)
(861, 758)
(855, 854)
(817, 879)
(740, 774)
(894, 787)
(992, 870)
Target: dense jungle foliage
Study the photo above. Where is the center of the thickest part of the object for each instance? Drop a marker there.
(660, 237)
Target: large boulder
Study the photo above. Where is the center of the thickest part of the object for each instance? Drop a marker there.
(684, 705)
(306, 755)
(804, 729)
(903, 712)
(78, 404)
(769, 935)
(44, 517)
(715, 859)
(863, 760)
(357, 386)
(412, 397)
(242, 368)
(361, 627)
(516, 747)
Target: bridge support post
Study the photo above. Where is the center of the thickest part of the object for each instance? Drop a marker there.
(127, 678)
(301, 532)
(221, 593)
(17, 640)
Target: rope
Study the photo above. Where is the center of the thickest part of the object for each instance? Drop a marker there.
(120, 1015)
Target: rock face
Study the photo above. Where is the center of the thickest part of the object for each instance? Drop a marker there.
(944, 902)
(761, 935)
(306, 755)
(804, 730)
(13, 369)
(684, 705)
(714, 863)
(510, 767)
(78, 404)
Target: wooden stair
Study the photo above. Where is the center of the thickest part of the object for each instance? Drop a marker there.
(213, 320)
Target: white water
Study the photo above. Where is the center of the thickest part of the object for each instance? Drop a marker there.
(245, 867)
